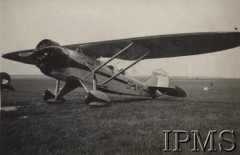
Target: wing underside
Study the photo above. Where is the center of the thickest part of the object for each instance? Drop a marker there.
(25, 56)
(163, 46)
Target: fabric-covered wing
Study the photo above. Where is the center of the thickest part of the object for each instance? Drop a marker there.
(163, 46)
(25, 56)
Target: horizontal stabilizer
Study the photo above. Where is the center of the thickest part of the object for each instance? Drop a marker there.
(176, 91)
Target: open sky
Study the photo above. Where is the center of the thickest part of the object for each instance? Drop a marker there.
(24, 23)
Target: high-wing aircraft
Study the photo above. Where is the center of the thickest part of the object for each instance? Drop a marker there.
(79, 65)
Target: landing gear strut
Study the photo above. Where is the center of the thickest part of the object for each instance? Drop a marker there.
(51, 98)
(96, 97)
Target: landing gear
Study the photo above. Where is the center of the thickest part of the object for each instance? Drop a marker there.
(49, 97)
(94, 97)
(59, 93)
(97, 98)
(154, 96)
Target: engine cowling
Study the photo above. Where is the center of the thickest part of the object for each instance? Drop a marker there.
(45, 43)
(49, 55)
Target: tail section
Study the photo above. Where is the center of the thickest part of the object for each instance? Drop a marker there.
(159, 78)
(172, 91)
(159, 83)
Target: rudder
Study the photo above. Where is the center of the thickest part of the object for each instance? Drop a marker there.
(159, 78)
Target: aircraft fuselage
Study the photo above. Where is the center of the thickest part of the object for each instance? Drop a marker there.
(65, 64)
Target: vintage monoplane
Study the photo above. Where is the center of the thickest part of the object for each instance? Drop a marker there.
(79, 64)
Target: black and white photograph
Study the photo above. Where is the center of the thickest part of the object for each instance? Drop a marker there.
(120, 77)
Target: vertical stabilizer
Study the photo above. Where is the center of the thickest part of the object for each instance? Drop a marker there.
(159, 78)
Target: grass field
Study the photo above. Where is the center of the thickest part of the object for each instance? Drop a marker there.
(130, 125)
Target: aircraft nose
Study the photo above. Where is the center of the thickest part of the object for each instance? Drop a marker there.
(50, 58)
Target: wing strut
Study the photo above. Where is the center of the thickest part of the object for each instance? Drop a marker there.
(57, 87)
(139, 59)
(93, 71)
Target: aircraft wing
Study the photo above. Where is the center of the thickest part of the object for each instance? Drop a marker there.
(163, 46)
(25, 56)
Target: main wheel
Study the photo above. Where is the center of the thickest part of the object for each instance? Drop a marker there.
(97, 98)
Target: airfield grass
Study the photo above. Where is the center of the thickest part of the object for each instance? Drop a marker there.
(129, 125)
